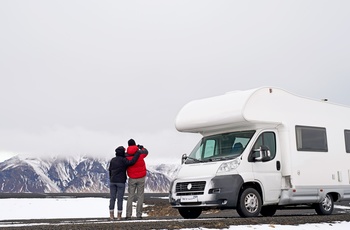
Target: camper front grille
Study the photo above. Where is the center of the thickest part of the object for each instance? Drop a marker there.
(190, 188)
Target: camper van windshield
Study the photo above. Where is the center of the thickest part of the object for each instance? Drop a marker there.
(220, 147)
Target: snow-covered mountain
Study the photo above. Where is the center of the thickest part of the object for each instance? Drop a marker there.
(71, 174)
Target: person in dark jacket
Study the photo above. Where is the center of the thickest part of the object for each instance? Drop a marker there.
(117, 175)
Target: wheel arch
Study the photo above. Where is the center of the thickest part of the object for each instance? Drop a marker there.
(254, 185)
(335, 196)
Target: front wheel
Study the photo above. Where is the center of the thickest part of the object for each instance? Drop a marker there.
(190, 213)
(249, 203)
(326, 206)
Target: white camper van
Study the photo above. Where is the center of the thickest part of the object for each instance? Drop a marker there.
(262, 150)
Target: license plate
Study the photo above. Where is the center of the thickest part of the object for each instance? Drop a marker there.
(189, 198)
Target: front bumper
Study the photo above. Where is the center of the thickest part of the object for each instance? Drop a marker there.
(216, 192)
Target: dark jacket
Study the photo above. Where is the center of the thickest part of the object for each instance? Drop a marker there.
(138, 170)
(118, 165)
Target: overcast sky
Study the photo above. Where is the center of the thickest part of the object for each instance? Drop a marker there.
(82, 77)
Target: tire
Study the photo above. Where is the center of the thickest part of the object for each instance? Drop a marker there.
(190, 213)
(249, 203)
(326, 206)
(268, 210)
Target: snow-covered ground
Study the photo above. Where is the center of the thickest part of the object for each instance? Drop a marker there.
(51, 208)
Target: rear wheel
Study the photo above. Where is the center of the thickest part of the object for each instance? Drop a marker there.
(326, 206)
(190, 213)
(249, 203)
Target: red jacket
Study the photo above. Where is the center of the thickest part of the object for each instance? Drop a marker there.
(138, 170)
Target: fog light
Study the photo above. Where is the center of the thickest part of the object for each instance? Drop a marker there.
(214, 190)
(224, 202)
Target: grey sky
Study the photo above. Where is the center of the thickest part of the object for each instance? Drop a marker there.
(82, 77)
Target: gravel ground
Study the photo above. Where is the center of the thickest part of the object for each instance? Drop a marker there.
(162, 216)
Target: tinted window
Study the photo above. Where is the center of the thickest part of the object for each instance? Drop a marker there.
(347, 140)
(311, 139)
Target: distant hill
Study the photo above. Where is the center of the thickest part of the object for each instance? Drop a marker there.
(72, 174)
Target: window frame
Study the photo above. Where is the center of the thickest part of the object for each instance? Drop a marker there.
(347, 140)
(299, 139)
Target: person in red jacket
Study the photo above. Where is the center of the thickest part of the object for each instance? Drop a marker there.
(137, 176)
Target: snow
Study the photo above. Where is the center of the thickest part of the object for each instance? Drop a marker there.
(41, 167)
(52, 208)
(321, 226)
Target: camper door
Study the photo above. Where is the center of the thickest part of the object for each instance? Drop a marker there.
(265, 159)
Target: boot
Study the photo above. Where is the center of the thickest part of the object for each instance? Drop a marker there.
(111, 214)
(119, 215)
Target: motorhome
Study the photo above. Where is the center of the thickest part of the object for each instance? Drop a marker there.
(262, 150)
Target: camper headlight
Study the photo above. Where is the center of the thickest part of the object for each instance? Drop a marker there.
(229, 166)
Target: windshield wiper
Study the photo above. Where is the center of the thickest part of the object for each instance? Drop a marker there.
(194, 159)
(224, 158)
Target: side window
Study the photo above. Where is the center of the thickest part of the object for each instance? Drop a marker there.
(313, 139)
(347, 140)
(267, 139)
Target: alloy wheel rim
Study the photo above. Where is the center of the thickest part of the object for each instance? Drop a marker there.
(251, 202)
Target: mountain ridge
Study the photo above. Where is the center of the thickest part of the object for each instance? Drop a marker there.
(81, 174)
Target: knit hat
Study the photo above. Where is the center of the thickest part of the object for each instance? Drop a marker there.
(131, 142)
(120, 151)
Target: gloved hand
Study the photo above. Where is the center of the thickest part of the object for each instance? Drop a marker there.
(140, 146)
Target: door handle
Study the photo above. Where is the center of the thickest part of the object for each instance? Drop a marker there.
(278, 165)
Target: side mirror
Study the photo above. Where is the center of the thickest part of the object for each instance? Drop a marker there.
(265, 153)
(265, 158)
(261, 154)
(183, 158)
(256, 155)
